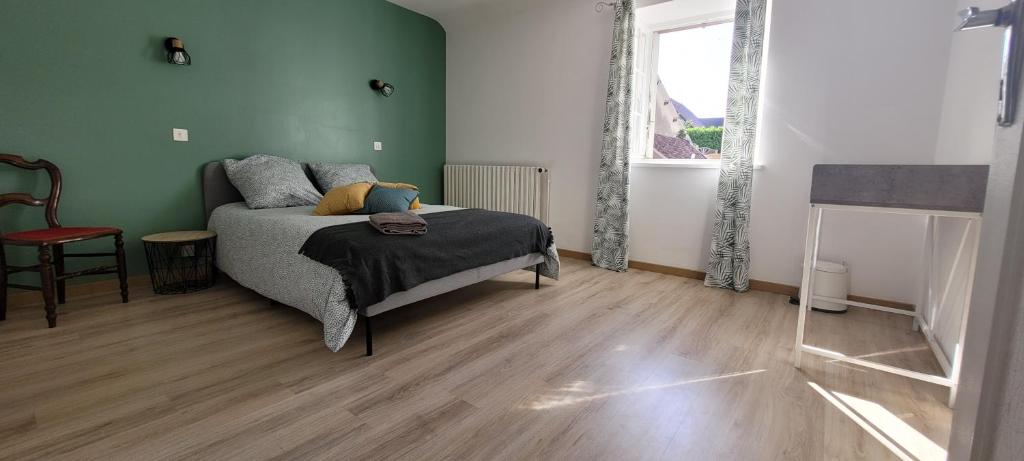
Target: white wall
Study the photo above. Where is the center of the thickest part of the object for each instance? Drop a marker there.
(966, 135)
(526, 85)
(943, 307)
(987, 423)
(847, 82)
(967, 129)
(844, 84)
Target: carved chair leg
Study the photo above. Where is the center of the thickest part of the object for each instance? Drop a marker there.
(58, 266)
(122, 268)
(3, 284)
(46, 277)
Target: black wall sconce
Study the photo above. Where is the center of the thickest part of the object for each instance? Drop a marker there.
(384, 88)
(176, 53)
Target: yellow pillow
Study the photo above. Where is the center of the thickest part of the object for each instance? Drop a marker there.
(343, 200)
(415, 205)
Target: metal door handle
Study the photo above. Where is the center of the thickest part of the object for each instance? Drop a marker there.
(976, 18)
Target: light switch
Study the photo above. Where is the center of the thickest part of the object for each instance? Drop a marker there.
(179, 134)
(377, 145)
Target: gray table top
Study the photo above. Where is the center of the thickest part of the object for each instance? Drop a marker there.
(959, 188)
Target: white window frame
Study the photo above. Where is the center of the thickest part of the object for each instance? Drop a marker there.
(646, 158)
(646, 48)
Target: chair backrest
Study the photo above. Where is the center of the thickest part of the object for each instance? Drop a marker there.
(27, 199)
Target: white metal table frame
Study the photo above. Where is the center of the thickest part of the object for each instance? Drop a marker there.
(952, 370)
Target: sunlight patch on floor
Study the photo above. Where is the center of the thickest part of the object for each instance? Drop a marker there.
(889, 352)
(857, 369)
(889, 429)
(570, 395)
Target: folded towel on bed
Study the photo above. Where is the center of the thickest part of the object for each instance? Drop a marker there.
(402, 223)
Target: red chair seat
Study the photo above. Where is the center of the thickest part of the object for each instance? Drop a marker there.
(58, 234)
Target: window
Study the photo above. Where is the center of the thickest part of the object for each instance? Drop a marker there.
(683, 82)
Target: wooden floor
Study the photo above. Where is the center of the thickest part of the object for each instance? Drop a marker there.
(599, 365)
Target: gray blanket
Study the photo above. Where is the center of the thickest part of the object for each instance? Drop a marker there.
(376, 266)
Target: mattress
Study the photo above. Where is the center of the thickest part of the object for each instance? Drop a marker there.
(259, 249)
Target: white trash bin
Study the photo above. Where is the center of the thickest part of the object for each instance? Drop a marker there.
(831, 279)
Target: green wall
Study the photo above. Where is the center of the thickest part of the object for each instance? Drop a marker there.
(85, 84)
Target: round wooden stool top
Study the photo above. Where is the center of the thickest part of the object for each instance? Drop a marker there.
(179, 236)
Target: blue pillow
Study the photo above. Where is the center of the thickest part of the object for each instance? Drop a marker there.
(387, 200)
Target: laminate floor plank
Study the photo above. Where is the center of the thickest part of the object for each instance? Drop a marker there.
(598, 365)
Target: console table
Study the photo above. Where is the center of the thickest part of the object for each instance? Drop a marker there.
(955, 191)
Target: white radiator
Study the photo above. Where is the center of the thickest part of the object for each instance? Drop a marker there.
(515, 189)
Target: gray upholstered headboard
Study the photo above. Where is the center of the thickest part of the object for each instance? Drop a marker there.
(217, 189)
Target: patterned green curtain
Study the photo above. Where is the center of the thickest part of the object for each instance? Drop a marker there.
(611, 220)
(729, 263)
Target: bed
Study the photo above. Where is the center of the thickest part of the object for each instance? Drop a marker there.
(259, 249)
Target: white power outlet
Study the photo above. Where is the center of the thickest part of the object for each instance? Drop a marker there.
(179, 134)
(377, 145)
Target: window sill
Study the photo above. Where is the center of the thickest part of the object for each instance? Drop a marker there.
(681, 163)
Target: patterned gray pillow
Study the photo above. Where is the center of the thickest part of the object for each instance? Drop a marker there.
(331, 175)
(266, 181)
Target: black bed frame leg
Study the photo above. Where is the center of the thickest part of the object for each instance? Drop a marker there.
(536, 277)
(369, 338)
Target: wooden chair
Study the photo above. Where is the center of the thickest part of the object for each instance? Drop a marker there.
(53, 238)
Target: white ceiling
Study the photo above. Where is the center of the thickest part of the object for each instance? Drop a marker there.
(445, 10)
(440, 9)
